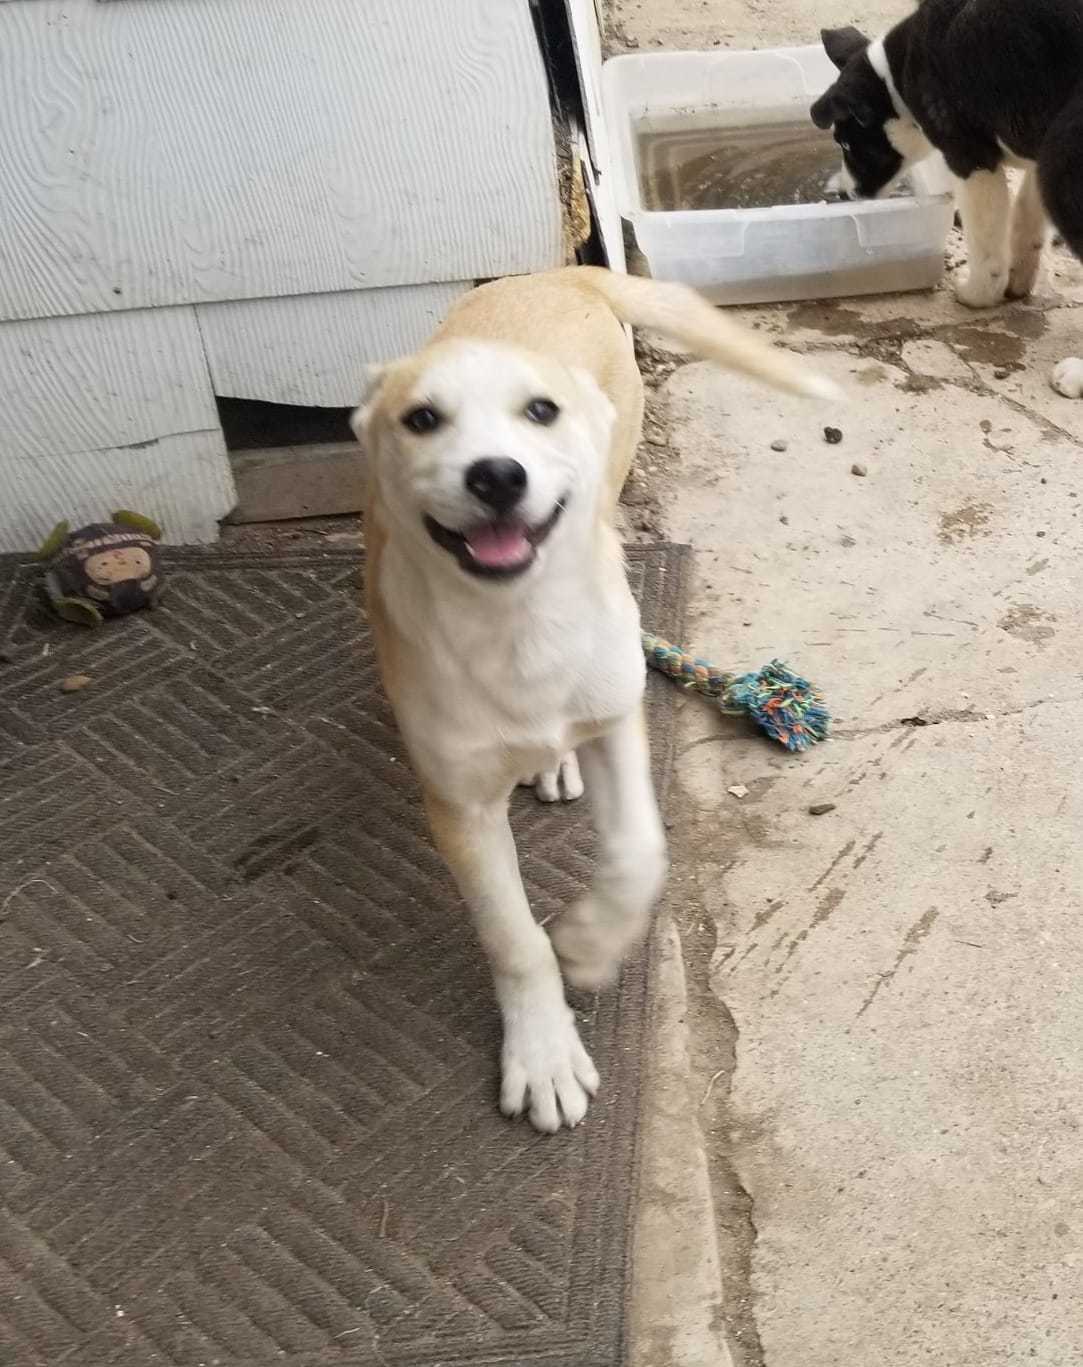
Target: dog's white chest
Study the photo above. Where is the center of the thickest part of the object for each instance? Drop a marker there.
(512, 695)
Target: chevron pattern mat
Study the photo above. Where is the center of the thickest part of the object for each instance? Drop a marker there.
(247, 1046)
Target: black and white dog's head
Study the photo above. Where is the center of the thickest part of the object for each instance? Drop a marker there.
(860, 110)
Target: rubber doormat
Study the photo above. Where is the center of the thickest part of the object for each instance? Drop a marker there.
(247, 1046)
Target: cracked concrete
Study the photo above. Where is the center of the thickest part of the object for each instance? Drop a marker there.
(880, 1007)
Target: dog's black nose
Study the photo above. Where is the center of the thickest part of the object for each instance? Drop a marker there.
(497, 481)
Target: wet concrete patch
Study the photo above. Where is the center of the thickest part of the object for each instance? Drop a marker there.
(999, 341)
(836, 319)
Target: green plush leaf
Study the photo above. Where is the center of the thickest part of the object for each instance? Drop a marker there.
(138, 523)
(54, 541)
(79, 610)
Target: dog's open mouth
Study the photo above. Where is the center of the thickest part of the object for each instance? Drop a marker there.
(499, 549)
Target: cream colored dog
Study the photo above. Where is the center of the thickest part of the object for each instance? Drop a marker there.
(507, 636)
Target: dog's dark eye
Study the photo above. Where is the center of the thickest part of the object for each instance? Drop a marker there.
(542, 411)
(421, 420)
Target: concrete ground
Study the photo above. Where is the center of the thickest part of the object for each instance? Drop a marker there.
(865, 1145)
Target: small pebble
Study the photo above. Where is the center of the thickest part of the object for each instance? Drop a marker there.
(858, 469)
(832, 435)
(74, 682)
(1001, 374)
(821, 808)
(738, 790)
(779, 445)
(784, 519)
(1040, 533)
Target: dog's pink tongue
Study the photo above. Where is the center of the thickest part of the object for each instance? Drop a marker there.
(499, 545)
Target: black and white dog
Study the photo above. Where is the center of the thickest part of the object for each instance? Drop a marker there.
(989, 84)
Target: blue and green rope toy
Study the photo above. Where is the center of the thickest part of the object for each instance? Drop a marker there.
(787, 707)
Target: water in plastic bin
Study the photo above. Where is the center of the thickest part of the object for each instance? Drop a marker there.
(704, 161)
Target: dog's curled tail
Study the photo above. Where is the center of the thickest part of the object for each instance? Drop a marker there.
(687, 318)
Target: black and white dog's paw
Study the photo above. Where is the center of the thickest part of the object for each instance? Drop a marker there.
(1024, 273)
(981, 289)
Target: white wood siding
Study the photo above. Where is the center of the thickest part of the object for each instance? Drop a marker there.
(108, 411)
(158, 152)
(313, 349)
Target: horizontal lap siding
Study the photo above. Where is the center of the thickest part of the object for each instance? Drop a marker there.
(109, 411)
(158, 152)
(314, 348)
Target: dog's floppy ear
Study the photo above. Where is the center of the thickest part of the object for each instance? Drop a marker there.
(822, 112)
(370, 384)
(371, 375)
(359, 422)
(863, 113)
(841, 44)
(597, 406)
(833, 106)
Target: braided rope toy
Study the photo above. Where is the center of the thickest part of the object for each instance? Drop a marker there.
(787, 707)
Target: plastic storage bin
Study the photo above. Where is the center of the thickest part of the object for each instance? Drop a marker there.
(789, 251)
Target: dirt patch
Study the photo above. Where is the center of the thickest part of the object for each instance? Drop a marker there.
(303, 533)
(1028, 623)
(964, 523)
(922, 384)
(654, 470)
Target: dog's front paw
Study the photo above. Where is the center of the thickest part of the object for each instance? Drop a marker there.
(596, 934)
(546, 1070)
(564, 783)
(1067, 377)
(590, 946)
(1024, 274)
(981, 289)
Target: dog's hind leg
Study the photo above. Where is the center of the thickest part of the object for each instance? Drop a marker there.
(1060, 171)
(593, 936)
(562, 784)
(545, 1068)
(1030, 231)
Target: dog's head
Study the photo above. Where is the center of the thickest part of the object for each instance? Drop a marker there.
(485, 455)
(860, 111)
